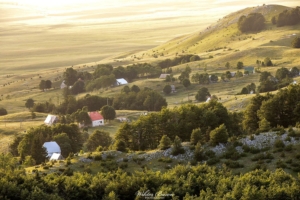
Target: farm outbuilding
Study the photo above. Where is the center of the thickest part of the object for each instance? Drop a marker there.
(51, 119)
(56, 156)
(121, 81)
(96, 118)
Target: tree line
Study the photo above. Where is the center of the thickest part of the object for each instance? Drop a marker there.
(287, 17)
(146, 132)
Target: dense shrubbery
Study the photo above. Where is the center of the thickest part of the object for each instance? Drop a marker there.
(281, 109)
(3, 111)
(177, 60)
(146, 132)
(252, 23)
(182, 182)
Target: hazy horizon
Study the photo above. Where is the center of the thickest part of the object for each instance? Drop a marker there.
(37, 34)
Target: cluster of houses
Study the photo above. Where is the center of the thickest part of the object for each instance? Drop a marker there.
(119, 81)
(96, 118)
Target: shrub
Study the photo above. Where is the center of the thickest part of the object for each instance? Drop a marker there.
(164, 143)
(210, 154)
(219, 135)
(289, 147)
(3, 111)
(233, 164)
(110, 157)
(45, 167)
(212, 161)
(97, 157)
(125, 159)
(177, 147)
(296, 42)
(123, 165)
(279, 144)
(280, 164)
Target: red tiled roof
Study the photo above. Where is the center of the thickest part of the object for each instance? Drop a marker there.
(95, 116)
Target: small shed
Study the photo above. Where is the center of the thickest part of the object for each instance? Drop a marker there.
(63, 85)
(51, 119)
(96, 118)
(56, 156)
(163, 76)
(121, 81)
(51, 148)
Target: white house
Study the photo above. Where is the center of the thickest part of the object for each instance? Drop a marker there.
(121, 81)
(163, 76)
(51, 119)
(56, 156)
(51, 148)
(63, 85)
(96, 118)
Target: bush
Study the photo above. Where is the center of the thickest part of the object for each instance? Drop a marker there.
(280, 164)
(296, 42)
(125, 159)
(212, 161)
(233, 164)
(3, 111)
(289, 147)
(45, 167)
(177, 147)
(279, 144)
(97, 157)
(165, 160)
(164, 143)
(123, 165)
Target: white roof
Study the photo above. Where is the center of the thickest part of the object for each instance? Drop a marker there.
(52, 147)
(50, 119)
(164, 75)
(56, 156)
(121, 81)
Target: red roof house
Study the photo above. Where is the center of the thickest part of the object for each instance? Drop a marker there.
(96, 118)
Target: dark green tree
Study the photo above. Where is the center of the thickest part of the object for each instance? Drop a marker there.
(268, 62)
(98, 138)
(3, 111)
(186, 83)
(199, 152)
(42, 85)
(38, 152)
(29, 103)
(251, 23)
(64, 142)
(214, 78)
(165, 143)
(202, 94)
(240, 65)
(108, 112)
(196, 136)
(218, 135)
(167, 89)
(296, 42)
(135, 89)
(125, 89)
(177, 146)
(78, 87)
(48, 84)
(70, 76)
(294, 72)
(245, 91)
(282, 73)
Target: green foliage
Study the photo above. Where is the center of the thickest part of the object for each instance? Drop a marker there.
(108, 112)
(240, 65)
(98, 138)
(165, 143)
(70, 76)
(264, 125)
(288, 17)
(294, 72)
(29, 103)
(202, 94)
(268, 62)
(3, 111)
(177, 147)
(196, 136)
(245, 91)
(227, 65)
(186, 83)
(64, 142)
(199, 152)
(167, 89)
(219, 135)
(146, 99)
(279, 144)
(78, 87)
(252, 23)
(296, 42)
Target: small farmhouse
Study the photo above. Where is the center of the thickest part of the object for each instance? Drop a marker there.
(96, 118)
(51, 148)
(56, 156)
(50, 120)
(63, 85)
(121, 81)
(163, 76)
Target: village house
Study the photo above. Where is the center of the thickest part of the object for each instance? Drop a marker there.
(96, 118)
